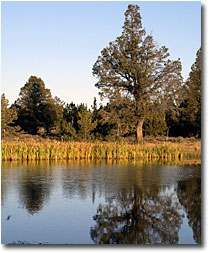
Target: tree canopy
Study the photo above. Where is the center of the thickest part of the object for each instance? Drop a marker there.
(35, 106)
(135, 66)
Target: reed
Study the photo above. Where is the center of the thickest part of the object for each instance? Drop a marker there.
(55, 150)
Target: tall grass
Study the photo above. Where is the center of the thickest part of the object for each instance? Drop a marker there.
(55, 150)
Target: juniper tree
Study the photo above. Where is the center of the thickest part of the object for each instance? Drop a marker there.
(136, 67)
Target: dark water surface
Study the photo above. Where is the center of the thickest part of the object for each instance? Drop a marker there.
(90, 203)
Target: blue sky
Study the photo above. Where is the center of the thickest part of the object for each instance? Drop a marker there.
(60, 41)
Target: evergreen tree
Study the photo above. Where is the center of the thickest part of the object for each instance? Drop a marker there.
(36, 107)
(4, 110)
(86, 123)
(137, 68)
(60, 123)
(191, 107)
(155, 124)
(8, 118)
(71, 115)
(65, 119)
(59, 108)
(66, 130)
(173, 122)
(119, 113)
(100, 128)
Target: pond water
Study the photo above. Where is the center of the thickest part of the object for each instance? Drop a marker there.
(100, 203)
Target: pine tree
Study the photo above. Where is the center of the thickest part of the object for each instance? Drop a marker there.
(137, 68)
(36, 107)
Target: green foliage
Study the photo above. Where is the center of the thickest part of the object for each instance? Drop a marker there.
(102, 128)
(70, 114)
(65, 130)
(119, 113)
(134, 66)
(191, 107)
(36, 107)
(156, 124)
(186, 121)
(8, 118)
(4, 110)
(59, 109)
(85, 123)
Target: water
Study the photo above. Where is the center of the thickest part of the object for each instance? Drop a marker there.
(87, 203)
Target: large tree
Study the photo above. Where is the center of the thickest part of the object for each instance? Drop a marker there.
(36, 107)
(135, 66)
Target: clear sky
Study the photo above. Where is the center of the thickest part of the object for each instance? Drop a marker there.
(60, 41)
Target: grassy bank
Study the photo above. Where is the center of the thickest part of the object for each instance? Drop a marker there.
(55, 150)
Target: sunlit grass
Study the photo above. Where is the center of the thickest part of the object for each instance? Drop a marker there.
(56, 150)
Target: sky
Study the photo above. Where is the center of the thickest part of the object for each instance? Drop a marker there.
(60, 41)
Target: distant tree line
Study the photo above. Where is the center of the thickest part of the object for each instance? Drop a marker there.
(145, 90)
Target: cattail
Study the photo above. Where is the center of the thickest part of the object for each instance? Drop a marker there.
(54, 150)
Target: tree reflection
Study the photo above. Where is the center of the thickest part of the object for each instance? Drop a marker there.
(138, 216)
(189, 194)
(34, 188)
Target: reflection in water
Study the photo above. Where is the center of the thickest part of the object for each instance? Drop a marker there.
(189, 194)
(119, 203)
(32, 181)
(140, 216)
(34, 189)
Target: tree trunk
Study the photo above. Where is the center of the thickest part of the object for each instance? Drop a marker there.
(139, 130)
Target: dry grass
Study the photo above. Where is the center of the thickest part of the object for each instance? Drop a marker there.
(36, 149)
